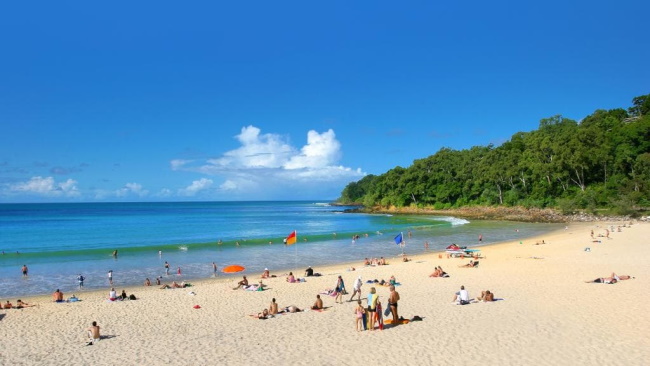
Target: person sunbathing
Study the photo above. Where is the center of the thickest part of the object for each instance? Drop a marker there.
(242, 283)
(611, 279)
(292, 309)
(436, 273)
(291, 278)
(21, 304)
(273, 307)
(486, 296)
(263, 315)
(470, 264)
(318, 304)
(266, 273)
(8, 305)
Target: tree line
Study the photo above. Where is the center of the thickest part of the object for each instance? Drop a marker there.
(603, 161)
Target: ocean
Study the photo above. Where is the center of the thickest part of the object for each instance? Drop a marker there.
(59, 241)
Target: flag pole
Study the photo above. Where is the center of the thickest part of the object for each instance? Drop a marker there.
(403, 243)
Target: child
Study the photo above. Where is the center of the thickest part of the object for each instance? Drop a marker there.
(359, 312)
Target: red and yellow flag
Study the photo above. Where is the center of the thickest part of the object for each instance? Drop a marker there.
(291, 239)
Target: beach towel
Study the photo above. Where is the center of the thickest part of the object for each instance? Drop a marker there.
(399, 321)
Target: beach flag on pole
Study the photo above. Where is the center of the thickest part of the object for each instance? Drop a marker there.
(399, 239)
(292, 238)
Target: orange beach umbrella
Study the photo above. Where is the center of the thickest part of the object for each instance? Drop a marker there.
(233, 269)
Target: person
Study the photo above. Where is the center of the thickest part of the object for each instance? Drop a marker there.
(291, 278)
(178, 271)
(392, 280)
(147, 282)
(81, 279)
(358, 315)
(273, 307)
(340, 287)
(124, 296)
(112, 295)
(309, 272)
(366, 262)
(57, 296)
(480, 238)
(357, 288)
(612, 279)
(461, 297)
(93, 333)
(25, 270)
(73, 298)
(242, 283)
(404, 258)
(442, 272)
(372, 308)
(470, 264)
(263, 315)
(318, 304)
(158, 280)
(214, 268)
(115, 253)
(393, 298)
(110, 277)
(292, 309)
(486, 296)
(436, 273)
(266, 273)
(20, 304)
(8, 305)
(166, 268)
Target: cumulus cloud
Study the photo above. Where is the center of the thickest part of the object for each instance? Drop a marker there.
(131, 189)
(196, 187)
(46, 187)
(268, 162)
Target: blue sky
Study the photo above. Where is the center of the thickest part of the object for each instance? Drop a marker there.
(259, 100)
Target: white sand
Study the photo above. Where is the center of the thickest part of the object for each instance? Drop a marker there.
(549, 315)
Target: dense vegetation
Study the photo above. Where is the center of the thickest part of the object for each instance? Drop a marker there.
(602, 161)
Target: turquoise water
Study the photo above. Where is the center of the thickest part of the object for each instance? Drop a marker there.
(59, 241)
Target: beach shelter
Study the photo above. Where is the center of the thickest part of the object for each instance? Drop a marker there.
(233, 269)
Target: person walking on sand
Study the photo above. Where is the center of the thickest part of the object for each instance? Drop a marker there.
(110, 277)
(340, 287)
(93, 334)
(393, 298)
(357, 288)
(25, 270)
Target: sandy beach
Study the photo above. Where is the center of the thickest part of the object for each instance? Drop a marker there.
(548, 315)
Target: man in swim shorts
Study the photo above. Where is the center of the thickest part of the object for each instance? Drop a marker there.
(393, 298)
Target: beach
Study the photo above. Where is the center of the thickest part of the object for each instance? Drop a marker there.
(546, 315)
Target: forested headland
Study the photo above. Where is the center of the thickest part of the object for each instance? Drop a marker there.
(599, 164)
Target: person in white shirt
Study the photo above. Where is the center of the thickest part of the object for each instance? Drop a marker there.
(462, 296)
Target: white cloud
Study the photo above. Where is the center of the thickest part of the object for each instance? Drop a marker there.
(131, 189)
(267, 163)
(196, 187)
(46, 187)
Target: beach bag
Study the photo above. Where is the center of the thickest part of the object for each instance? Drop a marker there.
(132, 297)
